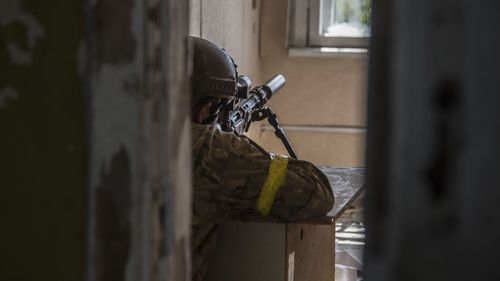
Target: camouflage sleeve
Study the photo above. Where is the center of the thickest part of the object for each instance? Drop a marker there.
(231, 171)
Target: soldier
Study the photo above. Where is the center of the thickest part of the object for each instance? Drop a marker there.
(233, 176)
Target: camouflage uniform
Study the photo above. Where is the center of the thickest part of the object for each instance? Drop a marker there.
(229, 172)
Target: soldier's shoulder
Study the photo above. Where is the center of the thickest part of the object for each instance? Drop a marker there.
(308, 170)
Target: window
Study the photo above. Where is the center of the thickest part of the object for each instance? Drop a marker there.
(329, 23)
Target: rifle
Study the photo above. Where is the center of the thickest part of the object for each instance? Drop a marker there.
(249, 107)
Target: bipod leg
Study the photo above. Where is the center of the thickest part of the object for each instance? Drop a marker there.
(271, 117)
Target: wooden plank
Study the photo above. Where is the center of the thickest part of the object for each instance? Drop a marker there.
(310, 252)
(248, 252)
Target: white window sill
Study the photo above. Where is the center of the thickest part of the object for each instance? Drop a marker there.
(328, 52)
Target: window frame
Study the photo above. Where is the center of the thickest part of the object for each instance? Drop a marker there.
(304, 22)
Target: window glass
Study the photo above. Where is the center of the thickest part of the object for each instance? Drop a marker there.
(345, 18)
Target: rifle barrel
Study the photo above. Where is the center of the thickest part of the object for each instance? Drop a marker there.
(275, 84)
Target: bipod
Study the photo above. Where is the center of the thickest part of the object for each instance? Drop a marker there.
(267, 113)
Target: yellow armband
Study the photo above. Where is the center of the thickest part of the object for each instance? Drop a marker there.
(274, 180)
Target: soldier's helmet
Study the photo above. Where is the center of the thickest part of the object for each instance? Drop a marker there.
(214, 72)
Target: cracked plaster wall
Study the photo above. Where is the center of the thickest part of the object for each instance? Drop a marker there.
(95, 140)
(137, 77)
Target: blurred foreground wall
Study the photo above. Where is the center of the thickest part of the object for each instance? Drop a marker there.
(43, 151)
(433, 142)
(95, 145)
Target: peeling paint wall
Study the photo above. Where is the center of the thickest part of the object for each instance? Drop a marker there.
(95, 145)
(112, 200)
(42, 143)
(139, 140)
(15, 20)
(113, 72)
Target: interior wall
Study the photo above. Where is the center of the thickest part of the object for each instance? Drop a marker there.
(323, 99)
(232, 25)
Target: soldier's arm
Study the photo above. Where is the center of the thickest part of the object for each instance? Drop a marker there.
(305, 192)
